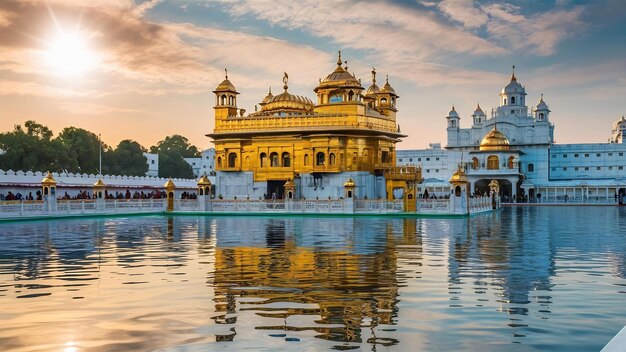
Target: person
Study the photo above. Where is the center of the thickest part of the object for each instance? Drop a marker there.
(566, 198)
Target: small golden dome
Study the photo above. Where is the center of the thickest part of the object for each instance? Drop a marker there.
(459, 176)
(49, 179)
(286, 102)
(495, 140)
(99, 183)
(349, 183)
(204, 181)
(339, 78)
(169, 184)
(226, 85)
(289, 184)
(387, 87)
(268, 97)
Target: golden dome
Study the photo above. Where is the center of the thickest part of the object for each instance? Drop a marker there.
(459, 176)
(169, 184)
(226, 85)
(340, 77)
(99, 183)
(49, 179)
(349, 183)
(204, 181)
(289, 184)
(495, 140)
(286, 102)
(387, 87)
(268, 97)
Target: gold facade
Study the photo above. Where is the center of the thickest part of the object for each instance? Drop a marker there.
(348, 129)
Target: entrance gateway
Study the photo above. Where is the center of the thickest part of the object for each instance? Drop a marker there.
(275, 187)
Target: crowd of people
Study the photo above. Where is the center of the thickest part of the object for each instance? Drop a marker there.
(18, 196)
(82, 195)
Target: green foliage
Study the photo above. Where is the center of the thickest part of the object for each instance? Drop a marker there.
(176, 144)
(171, 164)
(83, 147)
(126, 159)
(32, 149)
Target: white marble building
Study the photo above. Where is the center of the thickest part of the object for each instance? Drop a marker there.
(514, 144)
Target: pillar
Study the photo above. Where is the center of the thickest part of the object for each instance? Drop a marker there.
(170, 187)
(48, 191)
(98, 194)
(204, 193)
(348, 201)
(459, 198)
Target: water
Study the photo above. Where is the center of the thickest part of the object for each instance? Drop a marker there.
(521, 279)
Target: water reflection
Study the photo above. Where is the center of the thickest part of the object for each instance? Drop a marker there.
(518, 279)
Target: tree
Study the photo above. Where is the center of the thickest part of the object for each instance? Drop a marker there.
(33, 149)
(171, 164)
(82, 146)
(177, 144)
(126, 159)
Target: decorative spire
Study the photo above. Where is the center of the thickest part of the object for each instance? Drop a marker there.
(226, 72)
(387, 79)
(513, 78)
(373, 75)
(270, 91)
(478, 106)
(339, 58)
(541, 97)
(285, 80)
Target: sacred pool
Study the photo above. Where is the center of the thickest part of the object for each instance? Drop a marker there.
(518, 279)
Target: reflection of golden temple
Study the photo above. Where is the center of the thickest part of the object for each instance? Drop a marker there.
(348, 291)
(347, 130)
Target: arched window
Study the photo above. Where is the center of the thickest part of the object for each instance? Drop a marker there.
(383, 101)
(219, 161)
(331, 158)
(335, 98)
(274, 159)
(306, 159)
(263, 160)
(475, 163)
(286, 160)
(320, 158)
(541, 116)
(504, 101)
(512, 100)
(232, 159)
(457, 191)
(493, 162)
(393, 101)
(511, 162)
(351, 96)
(531, 167)
(223, 99)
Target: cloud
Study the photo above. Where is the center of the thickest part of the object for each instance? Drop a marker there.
(465, 12)
(83, 108)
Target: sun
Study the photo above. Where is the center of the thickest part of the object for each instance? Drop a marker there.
(69, 54)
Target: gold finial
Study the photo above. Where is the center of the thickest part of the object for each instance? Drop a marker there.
(387, 78)
(373, 75)
(285, 80)
(339, 59)
(226, 72)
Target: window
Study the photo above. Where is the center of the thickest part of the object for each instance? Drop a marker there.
(564, 156)
(475, 163)
(335, 98)
(274, 159)
(540, 116)
(586, 168)
(331, 158)
(384, 101)
(598, 155)
(511, 162)
(436, 158)
(531, 168)
(620, 168)
(152, 162)
(419, 159)
(427, 159)
(610, 154)
(512, 100)
(610, 167)
(493, 162)
(576, 168)
(598, 168)
(553, 169)
(575, 155)
(320, 159)
(586, 155)
(564, 169)
(306, 159)
(621, 154)
(286, 159)
(232, 159)
(351, 95)
(512, 112)
(428, 170)
(410, 160)
(400, 160)
(262, 160)
(436, 170)
(219, 161)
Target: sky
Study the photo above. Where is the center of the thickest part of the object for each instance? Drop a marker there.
(144, 70)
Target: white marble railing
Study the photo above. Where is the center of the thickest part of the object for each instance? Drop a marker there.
(307, 206)
(478, 205)
(80, 207)
(433, 206)
(19, 208)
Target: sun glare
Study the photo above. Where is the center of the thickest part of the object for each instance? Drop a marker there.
(69, 54)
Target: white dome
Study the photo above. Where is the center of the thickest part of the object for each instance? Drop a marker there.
(542, 105)
(479, 111)
(453, 112)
